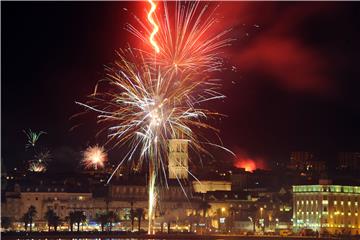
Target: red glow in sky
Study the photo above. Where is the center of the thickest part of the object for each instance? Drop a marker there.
(243, 160)
(248, 164)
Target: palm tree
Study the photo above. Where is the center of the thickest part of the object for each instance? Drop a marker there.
(139, 215)
(71, 220)
(192, 219)
(112, 218)
(161, 218)
(25, 219)
(55, 222)
(102, 219)
(132, 218)
(49, 215)
(253, 210)
(52, 219)
(232, 211)
(79, 217)
(204, 207)
(31, 215)
(132, 214)
(5, 222)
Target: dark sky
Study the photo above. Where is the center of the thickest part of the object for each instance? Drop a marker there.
(296, 84)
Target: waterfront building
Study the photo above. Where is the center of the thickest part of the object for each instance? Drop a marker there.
(204, 186)
(327, 208)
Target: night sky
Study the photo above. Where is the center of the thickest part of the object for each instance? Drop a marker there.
(292, 81)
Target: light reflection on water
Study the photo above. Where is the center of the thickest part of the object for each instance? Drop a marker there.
(105, 238)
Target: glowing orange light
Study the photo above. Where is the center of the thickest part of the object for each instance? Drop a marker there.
(156, 28)
(248, 164)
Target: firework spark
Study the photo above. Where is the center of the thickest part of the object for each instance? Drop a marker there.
(32, 137)
(185, 38)
(37, 167)
(155, 26)
(144, 103)
(43, 157)
(94, 157)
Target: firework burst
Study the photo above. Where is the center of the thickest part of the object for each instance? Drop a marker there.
(94, 157)
(32, 137)
(37, 167)
(148, 98)
(185, 40)
(43, 157)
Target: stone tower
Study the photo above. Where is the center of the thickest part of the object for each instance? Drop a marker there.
(178, 158)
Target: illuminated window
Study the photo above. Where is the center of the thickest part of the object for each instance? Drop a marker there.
(349, 203)
(335, 202)
(342, 202)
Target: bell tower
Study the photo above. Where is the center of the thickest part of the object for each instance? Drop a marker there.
(178, 158)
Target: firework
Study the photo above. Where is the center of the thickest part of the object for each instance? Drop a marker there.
(156, 27)
(184, 40)
(37, 167)
(94, 157)
(147, 99)
(40, 161)
(43, 157)
(32, 137)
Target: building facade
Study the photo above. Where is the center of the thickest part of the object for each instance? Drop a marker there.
(327, 208)
(178, 158)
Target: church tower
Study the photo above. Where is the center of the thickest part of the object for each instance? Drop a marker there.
(178, 158)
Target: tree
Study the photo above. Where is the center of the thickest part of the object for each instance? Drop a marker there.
(112, 217)
(55, 222)
(25, 219)
(132, 218)
(79, 217)
(132, 213)
(49, 215)
(102, 219)
(71, 220)
(5, 222)
(253, 212)
(169, 217)
(52, 218)
(139, 215)
(231, 219)
(192, 219)
(204, 207)
(31, 213)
